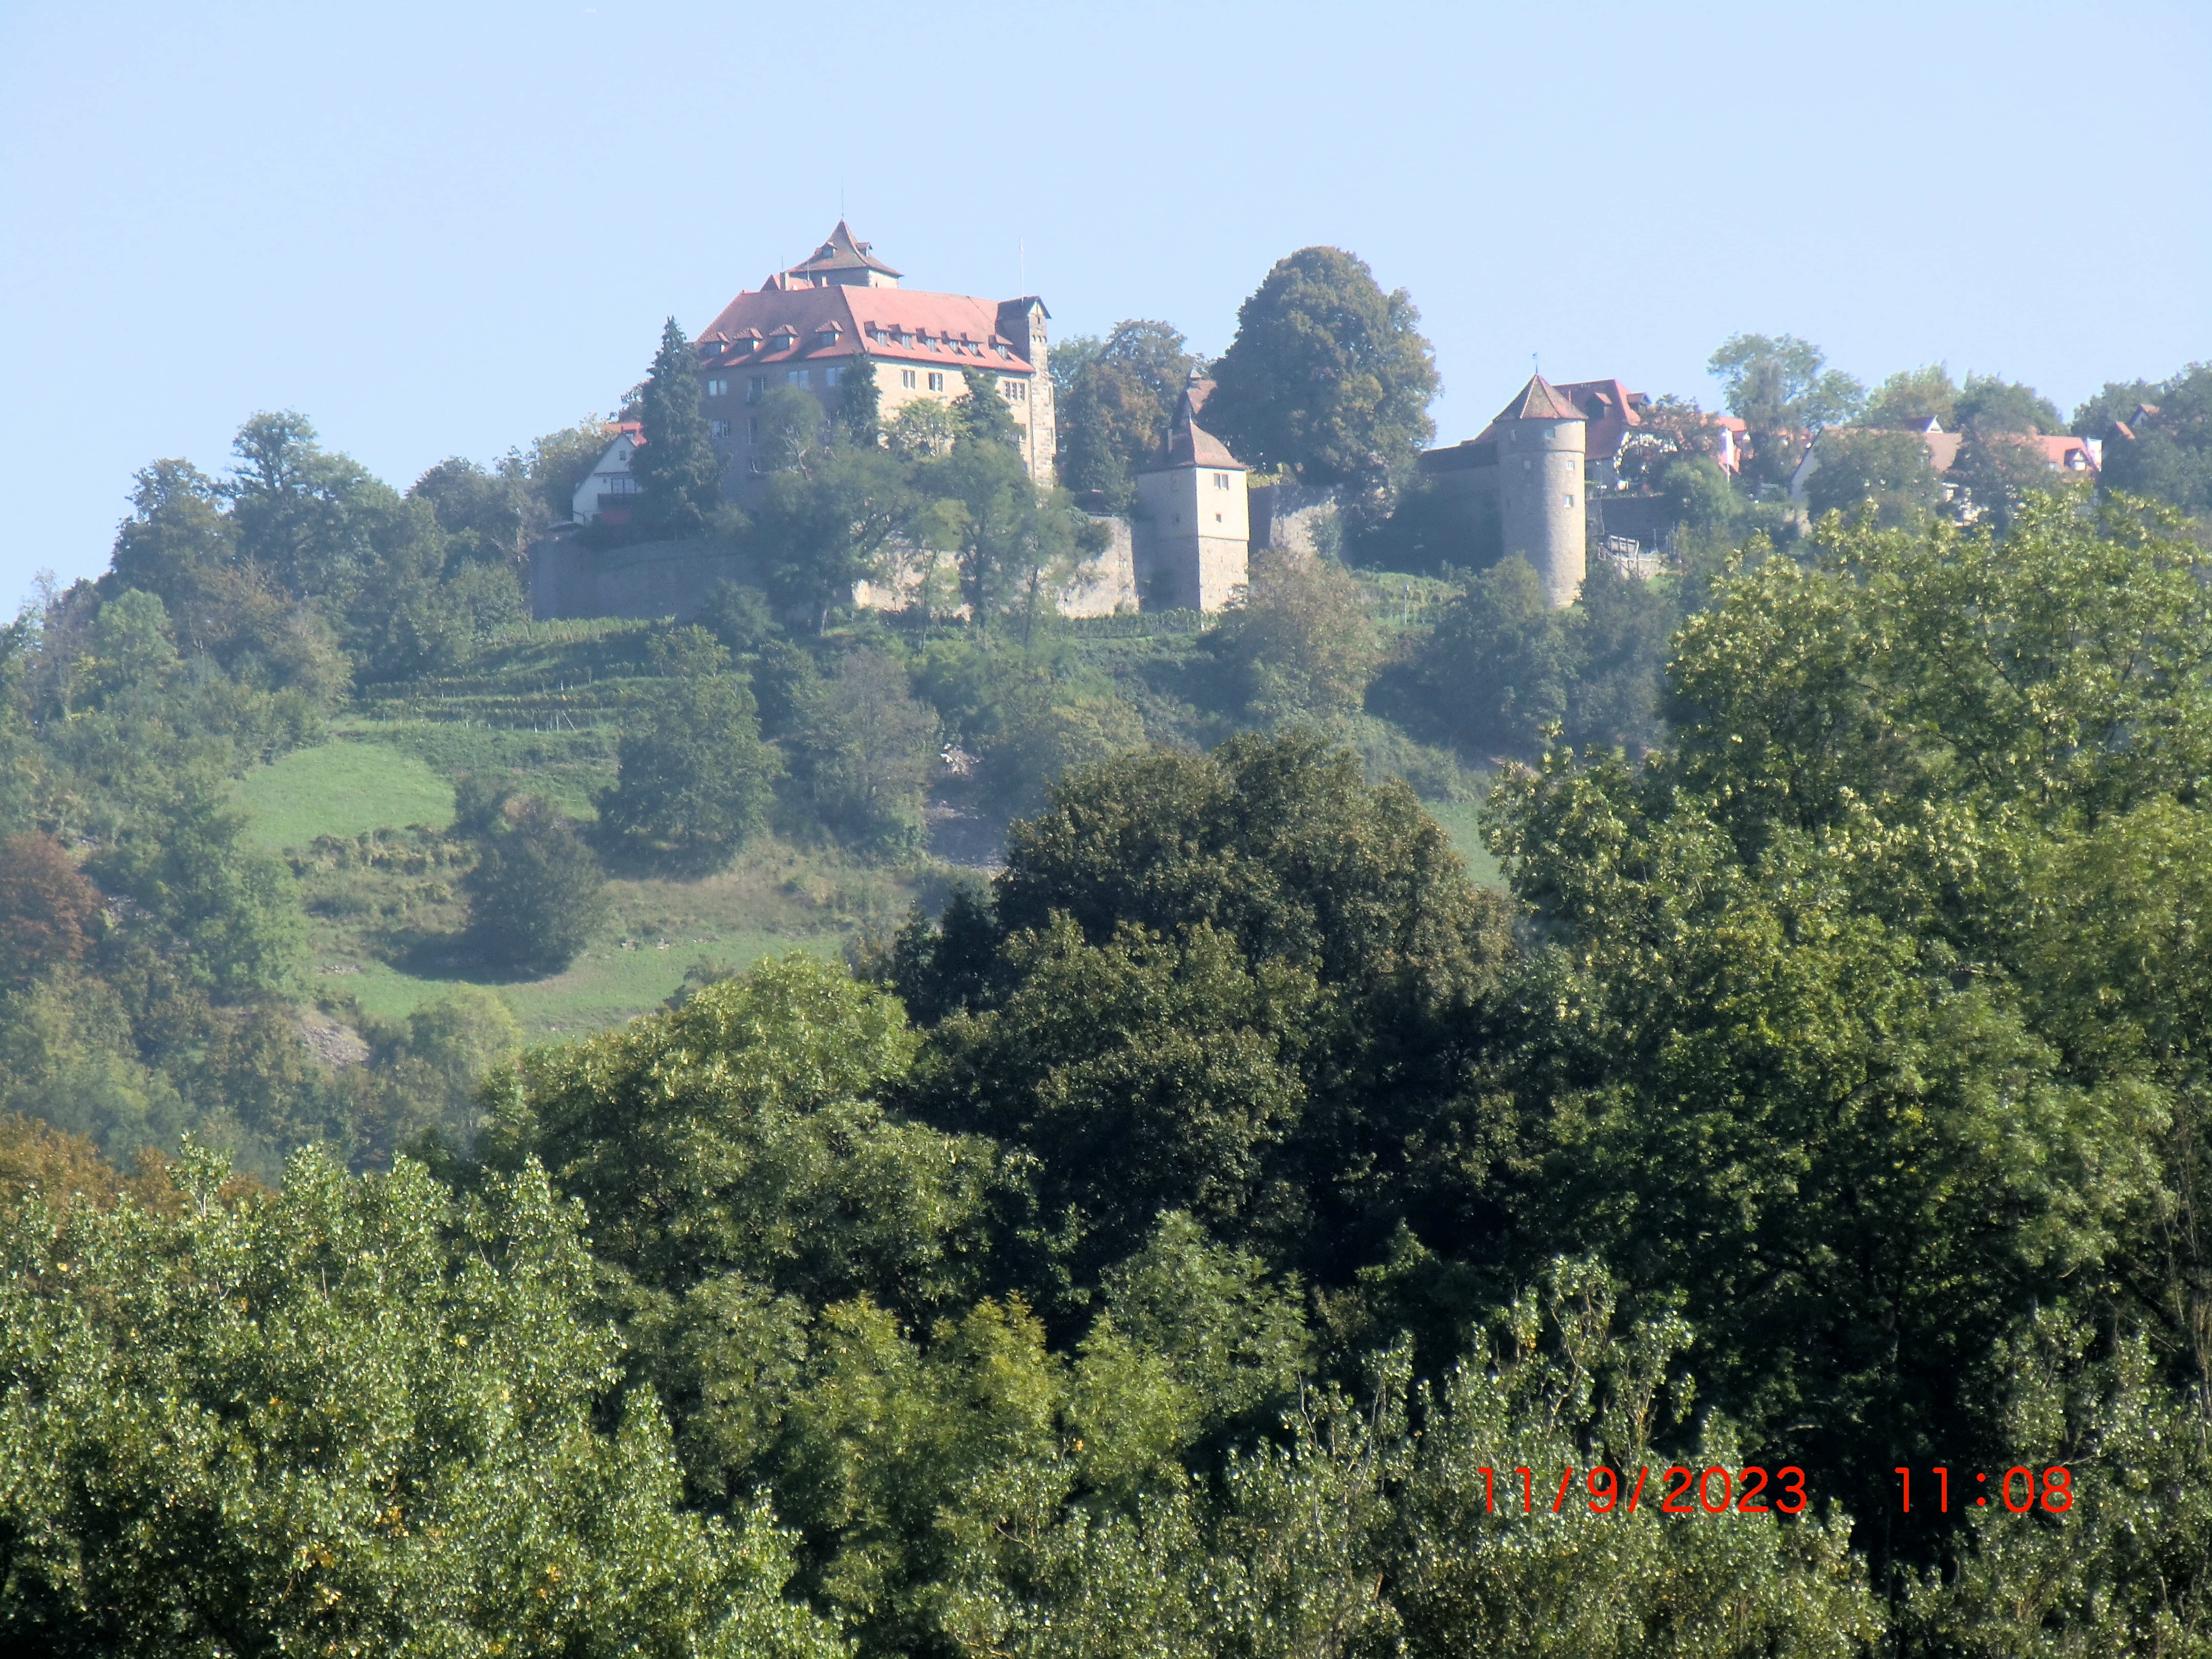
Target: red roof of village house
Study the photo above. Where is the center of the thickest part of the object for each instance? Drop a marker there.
(1610, 409)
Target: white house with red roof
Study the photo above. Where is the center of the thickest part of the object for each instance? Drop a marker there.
(841, 312)
(605, 495)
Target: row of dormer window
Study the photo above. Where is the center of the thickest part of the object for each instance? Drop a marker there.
(1016, 392)
(788, 339)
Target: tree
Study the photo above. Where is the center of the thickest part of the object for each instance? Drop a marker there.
(746, 1133)
(235, 1427)
(2167, 449)
(1890, 469)
(178, 543)
(1116, 406)
(862, 751)
(678, 474)
(1699, 497)
(861, 402)
(1782, 390)
(307, 517)
(1996, 472)
(825, 525)
(1361, 949)
(980, 414)
(1148, 1074)
(1499, 664)
(537, 895)
(1989, 403)
(1913, 397)
(1873, 784)
(1621, 628)
(984, 506)
(49, 912)
(1307, 642)
(1327, 375)
(235, 908)
(696, 781)
(486, 515)
(1046, 726)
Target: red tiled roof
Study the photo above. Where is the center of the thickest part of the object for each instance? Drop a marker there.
(1610, 409)
(860, 314)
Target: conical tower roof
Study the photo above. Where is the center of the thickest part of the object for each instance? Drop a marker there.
(1539, 400)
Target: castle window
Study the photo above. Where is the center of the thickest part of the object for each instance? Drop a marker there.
(936, 383)
(1016, 392)
(756, 388)
(800, 376)
(752, 430)
(1569, 500)
(1221, 481)
(906, 378)
(718, 388)
(833, 376)
(718, 429)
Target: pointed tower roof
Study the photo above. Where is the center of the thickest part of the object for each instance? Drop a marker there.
(1188, 443)
(1539, 400)
(843, 261)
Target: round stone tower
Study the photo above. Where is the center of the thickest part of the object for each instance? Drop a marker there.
(1540, 439)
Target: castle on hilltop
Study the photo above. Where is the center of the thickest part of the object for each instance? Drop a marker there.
(841, 312)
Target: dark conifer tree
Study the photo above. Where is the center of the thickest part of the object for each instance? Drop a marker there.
(678, 476)
(981, 410)
(860, 403)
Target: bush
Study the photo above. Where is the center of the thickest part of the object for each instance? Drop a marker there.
(537, 893)
(1307, 642)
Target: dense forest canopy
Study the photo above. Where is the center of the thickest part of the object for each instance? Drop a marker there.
(1208, 1217)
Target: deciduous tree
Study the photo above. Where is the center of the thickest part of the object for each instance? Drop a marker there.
(537, 893)
(695, 779)
(1329, 375)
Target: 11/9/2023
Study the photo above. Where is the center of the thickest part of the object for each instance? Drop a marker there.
(1687, 1491)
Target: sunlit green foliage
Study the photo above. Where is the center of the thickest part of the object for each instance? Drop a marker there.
(358, 1417)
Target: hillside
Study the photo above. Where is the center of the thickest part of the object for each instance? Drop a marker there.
(362, 820)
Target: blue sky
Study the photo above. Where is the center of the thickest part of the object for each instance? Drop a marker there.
(444, 229)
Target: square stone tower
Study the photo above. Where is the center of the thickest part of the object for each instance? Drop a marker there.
(1193, 526)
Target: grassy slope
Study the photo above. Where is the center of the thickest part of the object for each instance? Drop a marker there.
(342, 789)
(376, 913)
(1457, 818)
